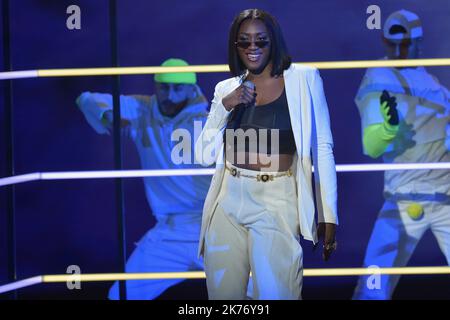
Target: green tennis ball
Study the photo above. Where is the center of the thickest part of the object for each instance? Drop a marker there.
(415, 211)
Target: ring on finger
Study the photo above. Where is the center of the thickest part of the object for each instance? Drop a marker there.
(330, 246)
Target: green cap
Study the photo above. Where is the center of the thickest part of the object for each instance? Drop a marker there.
(180, 77)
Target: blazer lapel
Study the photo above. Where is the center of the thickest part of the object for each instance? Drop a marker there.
(292, 86)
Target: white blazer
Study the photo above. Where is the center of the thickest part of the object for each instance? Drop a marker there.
(311, 127)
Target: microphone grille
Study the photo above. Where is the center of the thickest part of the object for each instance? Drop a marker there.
(249, 84)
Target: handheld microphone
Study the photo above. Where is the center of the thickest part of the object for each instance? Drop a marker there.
(251, 105)
(249, 84)
(239, 109)
(234, 121)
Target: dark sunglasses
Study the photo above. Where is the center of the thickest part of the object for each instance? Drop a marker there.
(244, 44)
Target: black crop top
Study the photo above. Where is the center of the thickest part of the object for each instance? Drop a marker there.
(274, 115)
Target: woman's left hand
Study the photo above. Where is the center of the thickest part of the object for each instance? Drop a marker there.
(327, 232)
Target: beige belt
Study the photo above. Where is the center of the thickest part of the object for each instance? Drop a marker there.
(264, 177)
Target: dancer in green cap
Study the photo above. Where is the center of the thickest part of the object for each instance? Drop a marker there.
(175, 201)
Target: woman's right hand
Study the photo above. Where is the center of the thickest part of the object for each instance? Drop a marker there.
(242, 95)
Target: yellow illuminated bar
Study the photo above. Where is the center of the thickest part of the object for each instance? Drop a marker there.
(201, 274)
(124, 276)
(371, 271)
(224, 67)
(85, 72)
(128, 70)
(379, 63)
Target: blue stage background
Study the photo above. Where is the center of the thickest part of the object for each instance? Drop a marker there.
(62, 223)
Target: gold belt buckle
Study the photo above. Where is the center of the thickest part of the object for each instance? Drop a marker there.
(264, 177)
(234, 172)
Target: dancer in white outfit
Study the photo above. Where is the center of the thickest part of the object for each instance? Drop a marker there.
(176, 201)
(407, 123)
